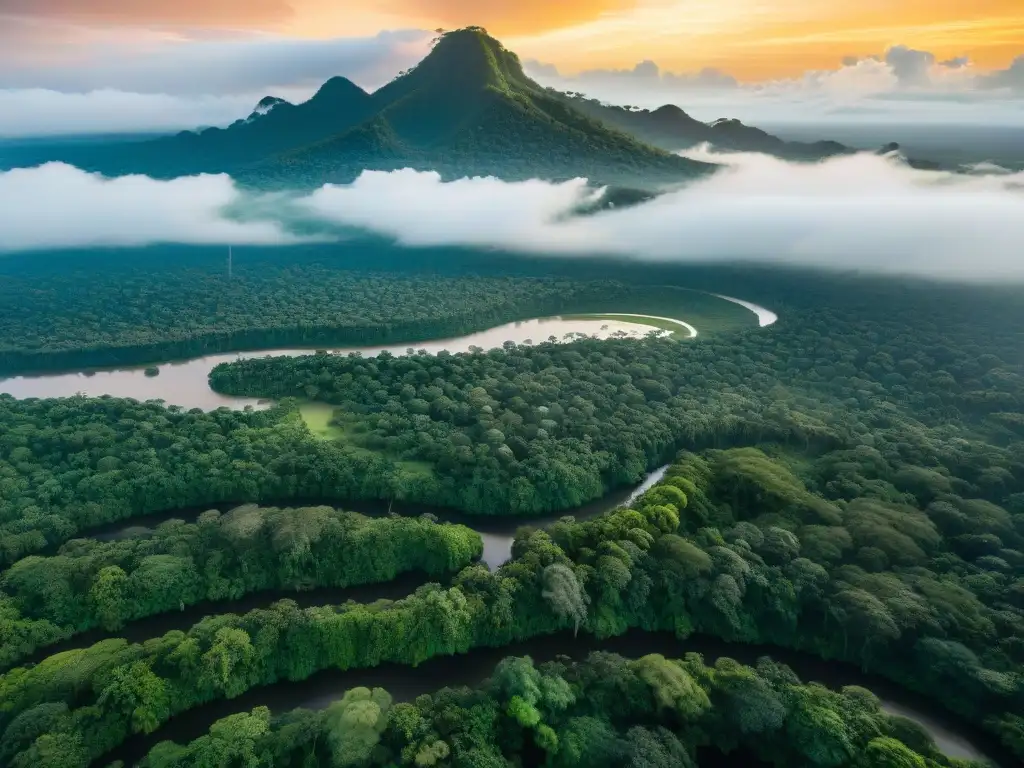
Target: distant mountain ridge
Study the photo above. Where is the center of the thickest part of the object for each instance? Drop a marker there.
(672, 129)
(467, 109)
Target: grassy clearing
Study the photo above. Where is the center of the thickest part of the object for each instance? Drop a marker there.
(318, 418)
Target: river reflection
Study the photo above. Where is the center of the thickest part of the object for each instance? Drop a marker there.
(186, 382)
(405, 683)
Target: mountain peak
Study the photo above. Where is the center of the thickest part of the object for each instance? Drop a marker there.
(269, 102)
(265, 106)
(469, 57)
(339, 89)
(669, 115)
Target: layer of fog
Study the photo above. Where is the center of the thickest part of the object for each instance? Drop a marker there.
(56, 206)
(40, 112)
(169, 84)
(861, 212)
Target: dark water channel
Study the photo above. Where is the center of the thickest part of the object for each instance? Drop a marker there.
(953, 737)
(405, 683)
(497, 531)
(498, 534)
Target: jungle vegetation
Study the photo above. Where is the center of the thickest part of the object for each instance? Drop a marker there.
(221, 557)
(875, 583)
(602, 712)
(848, 483)
(177, 303)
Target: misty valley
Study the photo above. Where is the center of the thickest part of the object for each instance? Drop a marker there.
(476, 421)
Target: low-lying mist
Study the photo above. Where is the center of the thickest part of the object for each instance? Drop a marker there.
(861, 212)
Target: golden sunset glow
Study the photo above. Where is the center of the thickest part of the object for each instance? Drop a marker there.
(753, 39)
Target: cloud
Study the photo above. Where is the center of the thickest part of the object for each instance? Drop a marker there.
(57, 206)
(645, 74)
(1011, 78)
(708, 77)
(860, 212)
(537, 68)
(957, 62)
(186, 85)
(219, 66)
(864, 77)
(911, 67)
(902, 84)
(417, 209)
(39, 112)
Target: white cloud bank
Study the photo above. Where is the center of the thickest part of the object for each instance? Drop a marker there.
(30, 112)
(172, 84)
(863, 212)
(57, 206)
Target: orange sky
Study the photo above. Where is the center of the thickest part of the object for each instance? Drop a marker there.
(752, 39)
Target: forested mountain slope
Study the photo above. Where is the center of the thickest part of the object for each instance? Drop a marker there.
(467, 108)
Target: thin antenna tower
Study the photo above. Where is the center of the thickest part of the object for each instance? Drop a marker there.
(229, 262)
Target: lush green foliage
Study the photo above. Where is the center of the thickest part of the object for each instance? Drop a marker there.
(468, 109)
(691, 556)
(543, 427)
(137, 311)
(221, 557)
(606, 711)
(177, 303)
(853, 488)
(76, 463)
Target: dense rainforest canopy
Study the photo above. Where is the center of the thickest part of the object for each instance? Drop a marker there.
(118, 308)
(848, 483)
(603, 712)
(772, 564)
(219, 558)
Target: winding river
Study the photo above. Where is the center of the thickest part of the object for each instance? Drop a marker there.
(186, 382)
(405, 683)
